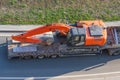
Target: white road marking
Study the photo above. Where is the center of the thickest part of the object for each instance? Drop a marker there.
(70, 76)
(95, 66)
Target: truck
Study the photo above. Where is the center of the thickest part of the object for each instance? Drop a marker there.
(59, 40)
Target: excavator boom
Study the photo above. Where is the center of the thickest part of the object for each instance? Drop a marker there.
(27, 36)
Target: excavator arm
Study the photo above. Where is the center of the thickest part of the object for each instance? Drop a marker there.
(28, 35)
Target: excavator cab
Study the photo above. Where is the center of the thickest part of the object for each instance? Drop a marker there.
(76, 36)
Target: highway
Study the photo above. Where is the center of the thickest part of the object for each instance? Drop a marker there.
(95, 67)
(48, 69)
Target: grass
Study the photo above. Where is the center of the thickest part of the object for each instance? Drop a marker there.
(51, 11)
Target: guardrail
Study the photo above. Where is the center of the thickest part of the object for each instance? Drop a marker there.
(8, 30)
(17, 27)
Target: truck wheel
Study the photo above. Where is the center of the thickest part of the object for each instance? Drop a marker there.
(41, 56)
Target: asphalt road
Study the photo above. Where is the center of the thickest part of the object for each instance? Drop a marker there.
(55, 67)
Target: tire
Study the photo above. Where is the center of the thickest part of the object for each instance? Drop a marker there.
(116, 53)
(105, 52)
(40, 56)
(54, 56)
(27, 57)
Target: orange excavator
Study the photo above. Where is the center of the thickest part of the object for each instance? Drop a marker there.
(52, 40)
(27, 36)
(86, 32)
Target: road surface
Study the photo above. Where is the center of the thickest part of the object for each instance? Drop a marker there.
(49, 69)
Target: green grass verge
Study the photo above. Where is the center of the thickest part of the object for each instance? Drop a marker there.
(52, 11)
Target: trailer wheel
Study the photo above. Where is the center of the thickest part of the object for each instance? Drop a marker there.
(27, 57)
(20, 57)
(105, 52)
(54, 56)
(116, 53)
(40, 56)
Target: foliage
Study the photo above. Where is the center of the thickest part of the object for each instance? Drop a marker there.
(51, 11)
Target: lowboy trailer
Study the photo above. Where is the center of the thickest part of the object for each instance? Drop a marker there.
(58, 40)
